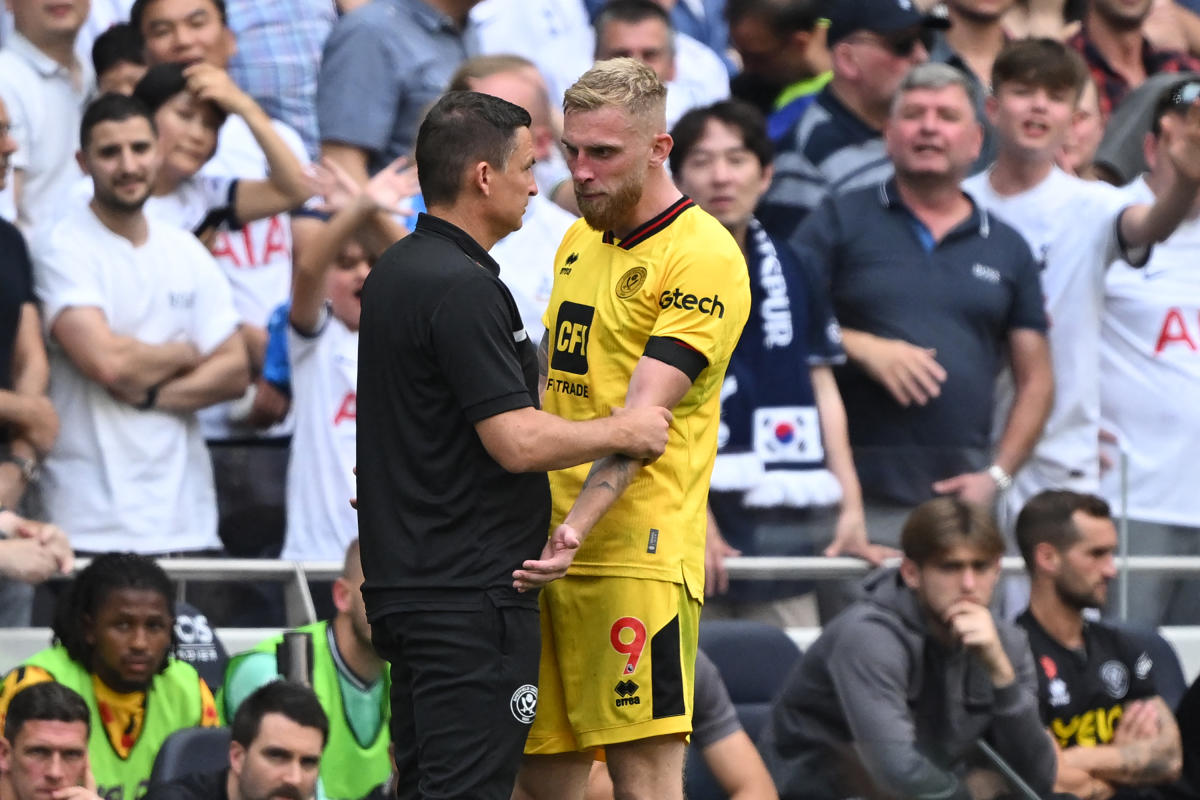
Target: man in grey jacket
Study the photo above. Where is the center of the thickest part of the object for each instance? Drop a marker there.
(891, 699)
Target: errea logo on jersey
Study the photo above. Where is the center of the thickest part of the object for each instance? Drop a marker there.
(711, 306)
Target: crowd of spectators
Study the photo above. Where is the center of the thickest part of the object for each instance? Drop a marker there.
(972, 278)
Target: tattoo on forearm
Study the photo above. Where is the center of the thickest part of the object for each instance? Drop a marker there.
(613, 473)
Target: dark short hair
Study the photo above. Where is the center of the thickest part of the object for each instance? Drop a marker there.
(138, 11)
(112, 107)
(107, 573)
(781, 16)
(1047, 518)
(121, 43)
(462, 129)
(49, 701)
(737, 114)
(938, 525)
(293, 700)
(162, 82)
(1045, 63)
(630, 12)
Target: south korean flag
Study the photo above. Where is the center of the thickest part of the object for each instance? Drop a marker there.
(788, 435)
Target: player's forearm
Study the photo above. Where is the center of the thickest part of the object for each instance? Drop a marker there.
(835, 433)
(30, 367)
(1034, 397)
(285, 172)
(133, 366)
(604, 485)
(545, 442)
(1141, 763)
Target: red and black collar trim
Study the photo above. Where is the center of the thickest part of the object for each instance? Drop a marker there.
(644, 231)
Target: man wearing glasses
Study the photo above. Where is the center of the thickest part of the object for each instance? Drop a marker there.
(837, 143)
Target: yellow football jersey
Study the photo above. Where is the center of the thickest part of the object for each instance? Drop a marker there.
(680, 277)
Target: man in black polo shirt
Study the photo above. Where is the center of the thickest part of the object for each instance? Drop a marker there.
(1096, 683)
(452, 454)
(930, 291)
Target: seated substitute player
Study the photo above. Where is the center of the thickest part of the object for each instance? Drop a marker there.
(892, 697)
(349, 679)
(1095, 682)
(44, 745)
(113, 632)
(650, 295)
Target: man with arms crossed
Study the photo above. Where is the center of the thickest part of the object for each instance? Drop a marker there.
(1095, 681)
(650, 296)
(448, 412)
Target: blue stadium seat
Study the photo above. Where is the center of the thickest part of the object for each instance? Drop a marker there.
(188, 751)
(754, 659)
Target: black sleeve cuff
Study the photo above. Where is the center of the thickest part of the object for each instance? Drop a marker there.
(674, 352)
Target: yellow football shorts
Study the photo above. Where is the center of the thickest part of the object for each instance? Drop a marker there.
(618, 663)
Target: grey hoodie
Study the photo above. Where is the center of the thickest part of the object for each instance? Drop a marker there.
(878, 708)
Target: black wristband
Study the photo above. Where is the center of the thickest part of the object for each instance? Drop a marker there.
(151, 398)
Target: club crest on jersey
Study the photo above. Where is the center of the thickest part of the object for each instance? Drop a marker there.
(1142, 666)
(1059, 696)
(630, 282)
(1115, 677)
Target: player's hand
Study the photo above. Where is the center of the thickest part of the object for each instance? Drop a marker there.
(911, 374)
(850, 539)
(1139, 721)
(27, 560)
(75, 793)
(36, 420)
(644, 431)
(972, 625)
(716, 550)
(971, 487)
(557, 556)
(270, 404)
(393, 187)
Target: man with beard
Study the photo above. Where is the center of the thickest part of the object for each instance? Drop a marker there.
(147, 335)
(650, 296)
(113, 632)
(1095, 682)
(348, 678)
(1118, 55)
(277, 737)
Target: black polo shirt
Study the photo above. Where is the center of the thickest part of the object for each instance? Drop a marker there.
(441, 347)
(960, 296)
(1082, 693)
(16, 289)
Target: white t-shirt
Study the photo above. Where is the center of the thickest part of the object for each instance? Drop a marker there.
(1071, 227)
(554, 35)
(256, 259)
(320, 480)
(701, 78)
(45, 106)
(119, 478)
(526, 258)
(1150, 374)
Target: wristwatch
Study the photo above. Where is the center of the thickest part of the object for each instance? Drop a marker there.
(1003, 479)
(30, 470)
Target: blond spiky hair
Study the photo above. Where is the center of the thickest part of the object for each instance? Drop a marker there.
(621, 82)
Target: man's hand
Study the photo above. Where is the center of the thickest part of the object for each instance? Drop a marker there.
(213, 84)
(970, 487)
(270, 405)
(1139, 722)
(910, 373)
(850, 539)
(37, 422)
(557, 556)
(716, 550)
(973, 626)
(52, 538)
(646, 431)
(26, 560)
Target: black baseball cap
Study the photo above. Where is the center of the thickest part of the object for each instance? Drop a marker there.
(878, 16)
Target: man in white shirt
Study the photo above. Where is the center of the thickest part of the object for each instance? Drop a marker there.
(1075, 228)
(143, 334)
(44, 85)
(1150, 348)
(695, 76)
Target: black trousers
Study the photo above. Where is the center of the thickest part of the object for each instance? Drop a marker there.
(464, 691)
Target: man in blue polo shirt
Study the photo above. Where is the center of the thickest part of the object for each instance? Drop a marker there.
(836, 144)
(930, 302)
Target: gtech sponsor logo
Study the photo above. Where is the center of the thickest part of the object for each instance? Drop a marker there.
(676, 298)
